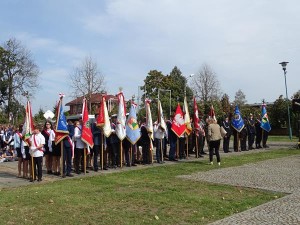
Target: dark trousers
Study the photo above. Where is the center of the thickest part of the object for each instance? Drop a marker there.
(214, 146)
(78, 159)
(115, 153)
(226, 141)
(67, 165)
(146, 153)
(158, 144)
(265, 138)
(37, 164)
(172, 149)
(251, 137)
(96, 149)
(182, 147)
(243, 143)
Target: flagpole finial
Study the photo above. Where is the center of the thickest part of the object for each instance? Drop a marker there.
(26, 94)
(61, 95)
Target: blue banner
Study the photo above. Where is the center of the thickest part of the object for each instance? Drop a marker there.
(237, 121)
(265, 124)
(133, 133)
(61, 122)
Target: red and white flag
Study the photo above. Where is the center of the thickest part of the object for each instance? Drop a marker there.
(86, 133)
(121, 117)
(196, 116)
(187, 119)
(178, 123)
(212, 114)
(28, 125)
(103, 118)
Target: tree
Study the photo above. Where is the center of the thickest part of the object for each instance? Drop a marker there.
(87, 80)
(240, 98)
(227, 109)
(206, 86)
(278, 113)
(19, 72)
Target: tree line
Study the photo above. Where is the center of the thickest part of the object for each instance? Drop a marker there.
(19, 76)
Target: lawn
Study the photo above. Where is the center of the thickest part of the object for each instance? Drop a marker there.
(151, 195)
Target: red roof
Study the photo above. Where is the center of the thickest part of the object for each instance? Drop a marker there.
(95, 98)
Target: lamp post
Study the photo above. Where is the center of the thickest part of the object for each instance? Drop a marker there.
(186, 83)
(283, 64)
(170, 97)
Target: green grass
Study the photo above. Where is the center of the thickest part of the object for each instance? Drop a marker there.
(283, 139)
(152, 195)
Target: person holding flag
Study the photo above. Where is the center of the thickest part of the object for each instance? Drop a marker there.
(133, 134)
(86, 133)
(265, 125)
(238, 124)
(62, 133)
(103, 122)
(159, 128)
(37, 142)
(179, 128)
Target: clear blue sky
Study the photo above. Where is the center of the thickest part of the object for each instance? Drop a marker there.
(242, 40)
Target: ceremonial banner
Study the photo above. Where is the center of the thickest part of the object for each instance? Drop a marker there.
(237, 121)
(121, 117)
(187, 119)
(160, 116)
(178, 123)
(133, 133)
(61, 128)
(212, 114)
(196, 116)
(265, 124)
(149, 123)
(103, 118)
(86, 133)
(28, 125)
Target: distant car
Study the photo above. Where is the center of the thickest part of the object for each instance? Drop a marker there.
(76, 117)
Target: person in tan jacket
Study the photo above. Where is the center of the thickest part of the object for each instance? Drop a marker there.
(214, 138)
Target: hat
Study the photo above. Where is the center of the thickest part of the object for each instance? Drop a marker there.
(114, 115)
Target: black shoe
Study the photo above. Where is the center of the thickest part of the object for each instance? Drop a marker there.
(96, 170)
(39, 180)
(105, 168)
(78, 172)
(64, 176)
(69, 175)
(133, 165)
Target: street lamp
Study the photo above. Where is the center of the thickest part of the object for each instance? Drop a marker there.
(170, 97)
(283, 64)
(186, 83)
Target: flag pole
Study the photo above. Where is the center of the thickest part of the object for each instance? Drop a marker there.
(161, 151)
(197, 147)
(177, 148)
(102, 145)
(121, 154)
(84, 160)
(130, 149)
(32, 168)
(187, 146)
(238, 141)
(262, 137)
(61, 158)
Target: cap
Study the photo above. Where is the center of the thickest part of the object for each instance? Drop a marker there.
(114, 115)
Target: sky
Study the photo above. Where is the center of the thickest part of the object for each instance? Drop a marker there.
(242, 41)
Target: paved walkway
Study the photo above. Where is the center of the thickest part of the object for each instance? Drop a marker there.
(279, 175)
